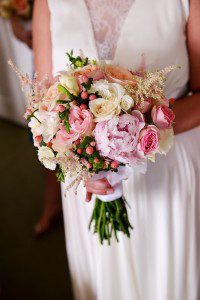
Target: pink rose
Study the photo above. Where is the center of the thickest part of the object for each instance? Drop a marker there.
(148, 140)
(162, 116)
(81, 124)
(119, 75)
(81, 121)
(118, 138)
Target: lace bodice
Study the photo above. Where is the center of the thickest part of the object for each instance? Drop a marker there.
(107, 17)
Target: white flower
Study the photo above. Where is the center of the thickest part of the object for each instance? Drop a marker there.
(50, 126)
(70, 83)
(113, 100)
(35, 124)
(45, 155)
(126, 103)
(166, 138)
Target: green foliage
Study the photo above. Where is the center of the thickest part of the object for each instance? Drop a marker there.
(77, 61)
(60, 175)
(109, 218)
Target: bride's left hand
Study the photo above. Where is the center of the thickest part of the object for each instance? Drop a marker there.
(98, 187)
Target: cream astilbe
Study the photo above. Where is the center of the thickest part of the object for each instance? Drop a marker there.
(151, 84)
(34, 89)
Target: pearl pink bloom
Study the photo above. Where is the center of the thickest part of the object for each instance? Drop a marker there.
(118, 138)
(93, 72)
(162, 116)
(149, 140)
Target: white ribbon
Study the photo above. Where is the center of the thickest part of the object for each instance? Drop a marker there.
(115, 180)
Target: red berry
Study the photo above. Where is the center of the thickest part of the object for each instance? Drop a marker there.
(83, 106)
(84, 78)
(79, 151)
(38, 139)
(49, 144)
(92, 97)
(61, 108)
(96, 160)
(114, 164)
(76, 143)
(89, 150)
(84, 95)
(93, 143)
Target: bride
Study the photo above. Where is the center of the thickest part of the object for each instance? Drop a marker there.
(161, 260)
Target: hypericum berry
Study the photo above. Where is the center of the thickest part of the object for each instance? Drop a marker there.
(79, 151)
(83, 106)
(92, 97)
(96, 160)
(171, 101)
(61, 108)
(89, 150)
(114, 164)
(84, 95)
(76, 143)
(93, 144)
(49, 144)
(84, 78)
(89, 165)
(38, 139)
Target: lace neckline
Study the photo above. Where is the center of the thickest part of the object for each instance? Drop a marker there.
(107, 18)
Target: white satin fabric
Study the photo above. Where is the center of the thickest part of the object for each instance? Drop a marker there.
(12, 99)
(161, 260)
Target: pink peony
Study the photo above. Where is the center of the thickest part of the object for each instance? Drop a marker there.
(118, 138)
(81, 124)
(162, 116)
(148, 140)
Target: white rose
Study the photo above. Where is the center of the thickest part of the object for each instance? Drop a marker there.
(45, 155)
(166, 139)
(126, 103)
(70, 83)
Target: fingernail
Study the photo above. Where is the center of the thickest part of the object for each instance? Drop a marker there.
(110, 191)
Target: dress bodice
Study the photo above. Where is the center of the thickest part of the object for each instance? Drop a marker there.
(124, 31)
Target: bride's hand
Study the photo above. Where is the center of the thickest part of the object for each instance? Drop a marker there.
(98, 187)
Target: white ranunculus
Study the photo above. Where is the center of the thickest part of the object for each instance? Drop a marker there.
(35, 124)
(50, 127)
(126, 103)
(70, 83)
(166, 138)
(45, 155)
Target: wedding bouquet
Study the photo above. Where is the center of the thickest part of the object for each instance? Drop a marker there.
(19, 8)
(99, 120)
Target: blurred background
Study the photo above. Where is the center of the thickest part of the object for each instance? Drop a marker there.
(30, 267)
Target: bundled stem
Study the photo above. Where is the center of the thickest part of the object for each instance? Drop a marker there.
(109, 218)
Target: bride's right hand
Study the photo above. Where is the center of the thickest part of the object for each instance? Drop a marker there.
(98, 187)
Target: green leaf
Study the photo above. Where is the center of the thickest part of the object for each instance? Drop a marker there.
(60, 175)
(63, 90)
(62, 115)
(62, 101)
(67, 126)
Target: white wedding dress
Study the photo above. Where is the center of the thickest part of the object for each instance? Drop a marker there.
(161, 260)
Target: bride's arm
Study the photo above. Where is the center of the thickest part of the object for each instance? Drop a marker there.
(42, 39)
(187, 109)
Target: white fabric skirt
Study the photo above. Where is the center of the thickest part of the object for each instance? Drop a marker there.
(161, 260)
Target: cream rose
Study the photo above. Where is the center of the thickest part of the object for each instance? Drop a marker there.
(126, 103)
(70, 83)
(103, 109)
(45, 155)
